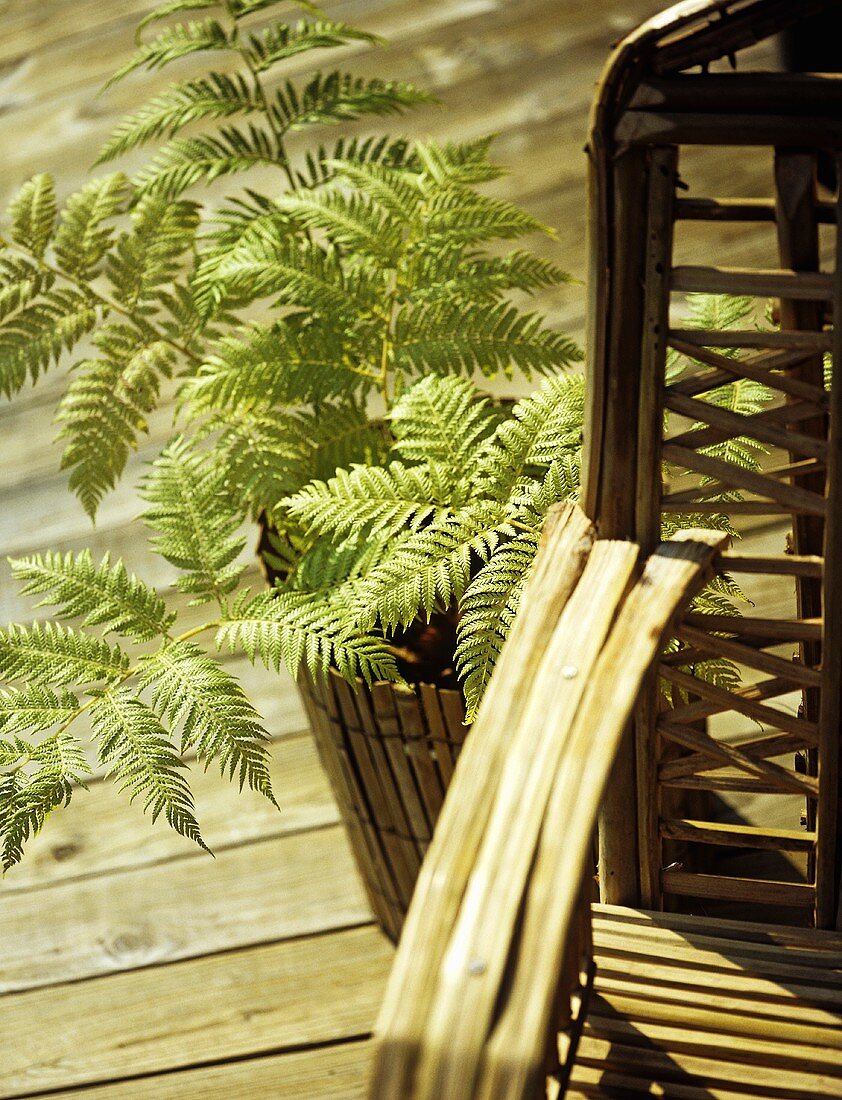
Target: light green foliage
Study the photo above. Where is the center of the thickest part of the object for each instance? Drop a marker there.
(155, 686)
(323, 343)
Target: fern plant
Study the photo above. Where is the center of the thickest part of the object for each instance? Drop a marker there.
(324, 344)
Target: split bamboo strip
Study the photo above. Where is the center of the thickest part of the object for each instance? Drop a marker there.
(730, 424)
(738, 836)
(760, 748)
(734, 338)
(753, 658)
(770, 283)
(777, 631)
(767, 368)
(707, 746)
(566, 545)
(741, 210)
(737, 477)
(787, 93)
(641, 128)
(726, 888)
(671, 576)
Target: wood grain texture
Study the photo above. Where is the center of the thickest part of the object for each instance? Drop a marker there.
(263, 999)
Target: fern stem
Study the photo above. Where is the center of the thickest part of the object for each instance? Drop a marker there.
(260, 93)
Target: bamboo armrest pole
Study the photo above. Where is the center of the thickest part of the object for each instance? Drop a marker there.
(514, 1055)
(566, 544)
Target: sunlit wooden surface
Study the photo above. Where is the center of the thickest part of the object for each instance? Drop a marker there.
(133, 965)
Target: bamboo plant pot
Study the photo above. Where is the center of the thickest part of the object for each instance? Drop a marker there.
(389, 754)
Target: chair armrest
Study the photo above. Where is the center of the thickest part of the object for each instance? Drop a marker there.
(472, 1005)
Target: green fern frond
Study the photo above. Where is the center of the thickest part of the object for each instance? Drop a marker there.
(34, 708)
(283, 40)
(288, 628)
(28, 798)
(102, 595)
(195, 522)
(190, 690)
(172, 43)
(398, 192)
(174, 7)
(149, 256)
(351, 220)
(441, 420)
(337, 96)
(37, 335)
(104, 410)
(139, 754)
(32, 214)
(218, 95)
(184, 162)
(49, 653)
(85, 230)
(486, 612)
(318, 164)
(243, 373)
(443, 277)
(431, 569)
(465, 217)
(458, 163)
(374, 499)
(493, 338)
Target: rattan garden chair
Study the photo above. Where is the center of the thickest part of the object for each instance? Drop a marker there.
(510, 980)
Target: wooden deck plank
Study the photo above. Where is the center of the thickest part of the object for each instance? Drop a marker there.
(99, 834)
(336, 1072)
(318, 989)
(288, 886)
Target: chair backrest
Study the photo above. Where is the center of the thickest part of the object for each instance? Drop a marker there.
(649, 109)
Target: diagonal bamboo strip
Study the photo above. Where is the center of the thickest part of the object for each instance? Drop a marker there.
(754, 658)
(709, 747)
(735, 476)
(759, 368)
(731, 700)
(670, 577)
(568, 537)
(729, 424)
(758, 747)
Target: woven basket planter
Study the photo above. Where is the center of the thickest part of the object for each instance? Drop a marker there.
(389, 753)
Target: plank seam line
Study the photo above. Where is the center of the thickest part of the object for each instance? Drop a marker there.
(211, 1063)
(351, 926)
(179, 857)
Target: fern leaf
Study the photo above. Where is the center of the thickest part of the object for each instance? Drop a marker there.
(289, 628)
(442, 277)
(337, 96)
(184, 162)
(486, 612)
(174, 42)
(36, 335)
(104, 410)
(372, 499)
(431, 569)
(135, 747)
(352, 221)
(424, 418)
(398, 192)
(460, 164)
(467, 217)
(283, 40)
(189, 689)
(243, 374)
(35, 708)
(195, 522)
(149, 256)
(494, 338)
(171, 8)
(319, 165)
(32, 214)
(103, 595)
(28, 798)
(85, 233)
(212, 97)
(49, 653)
